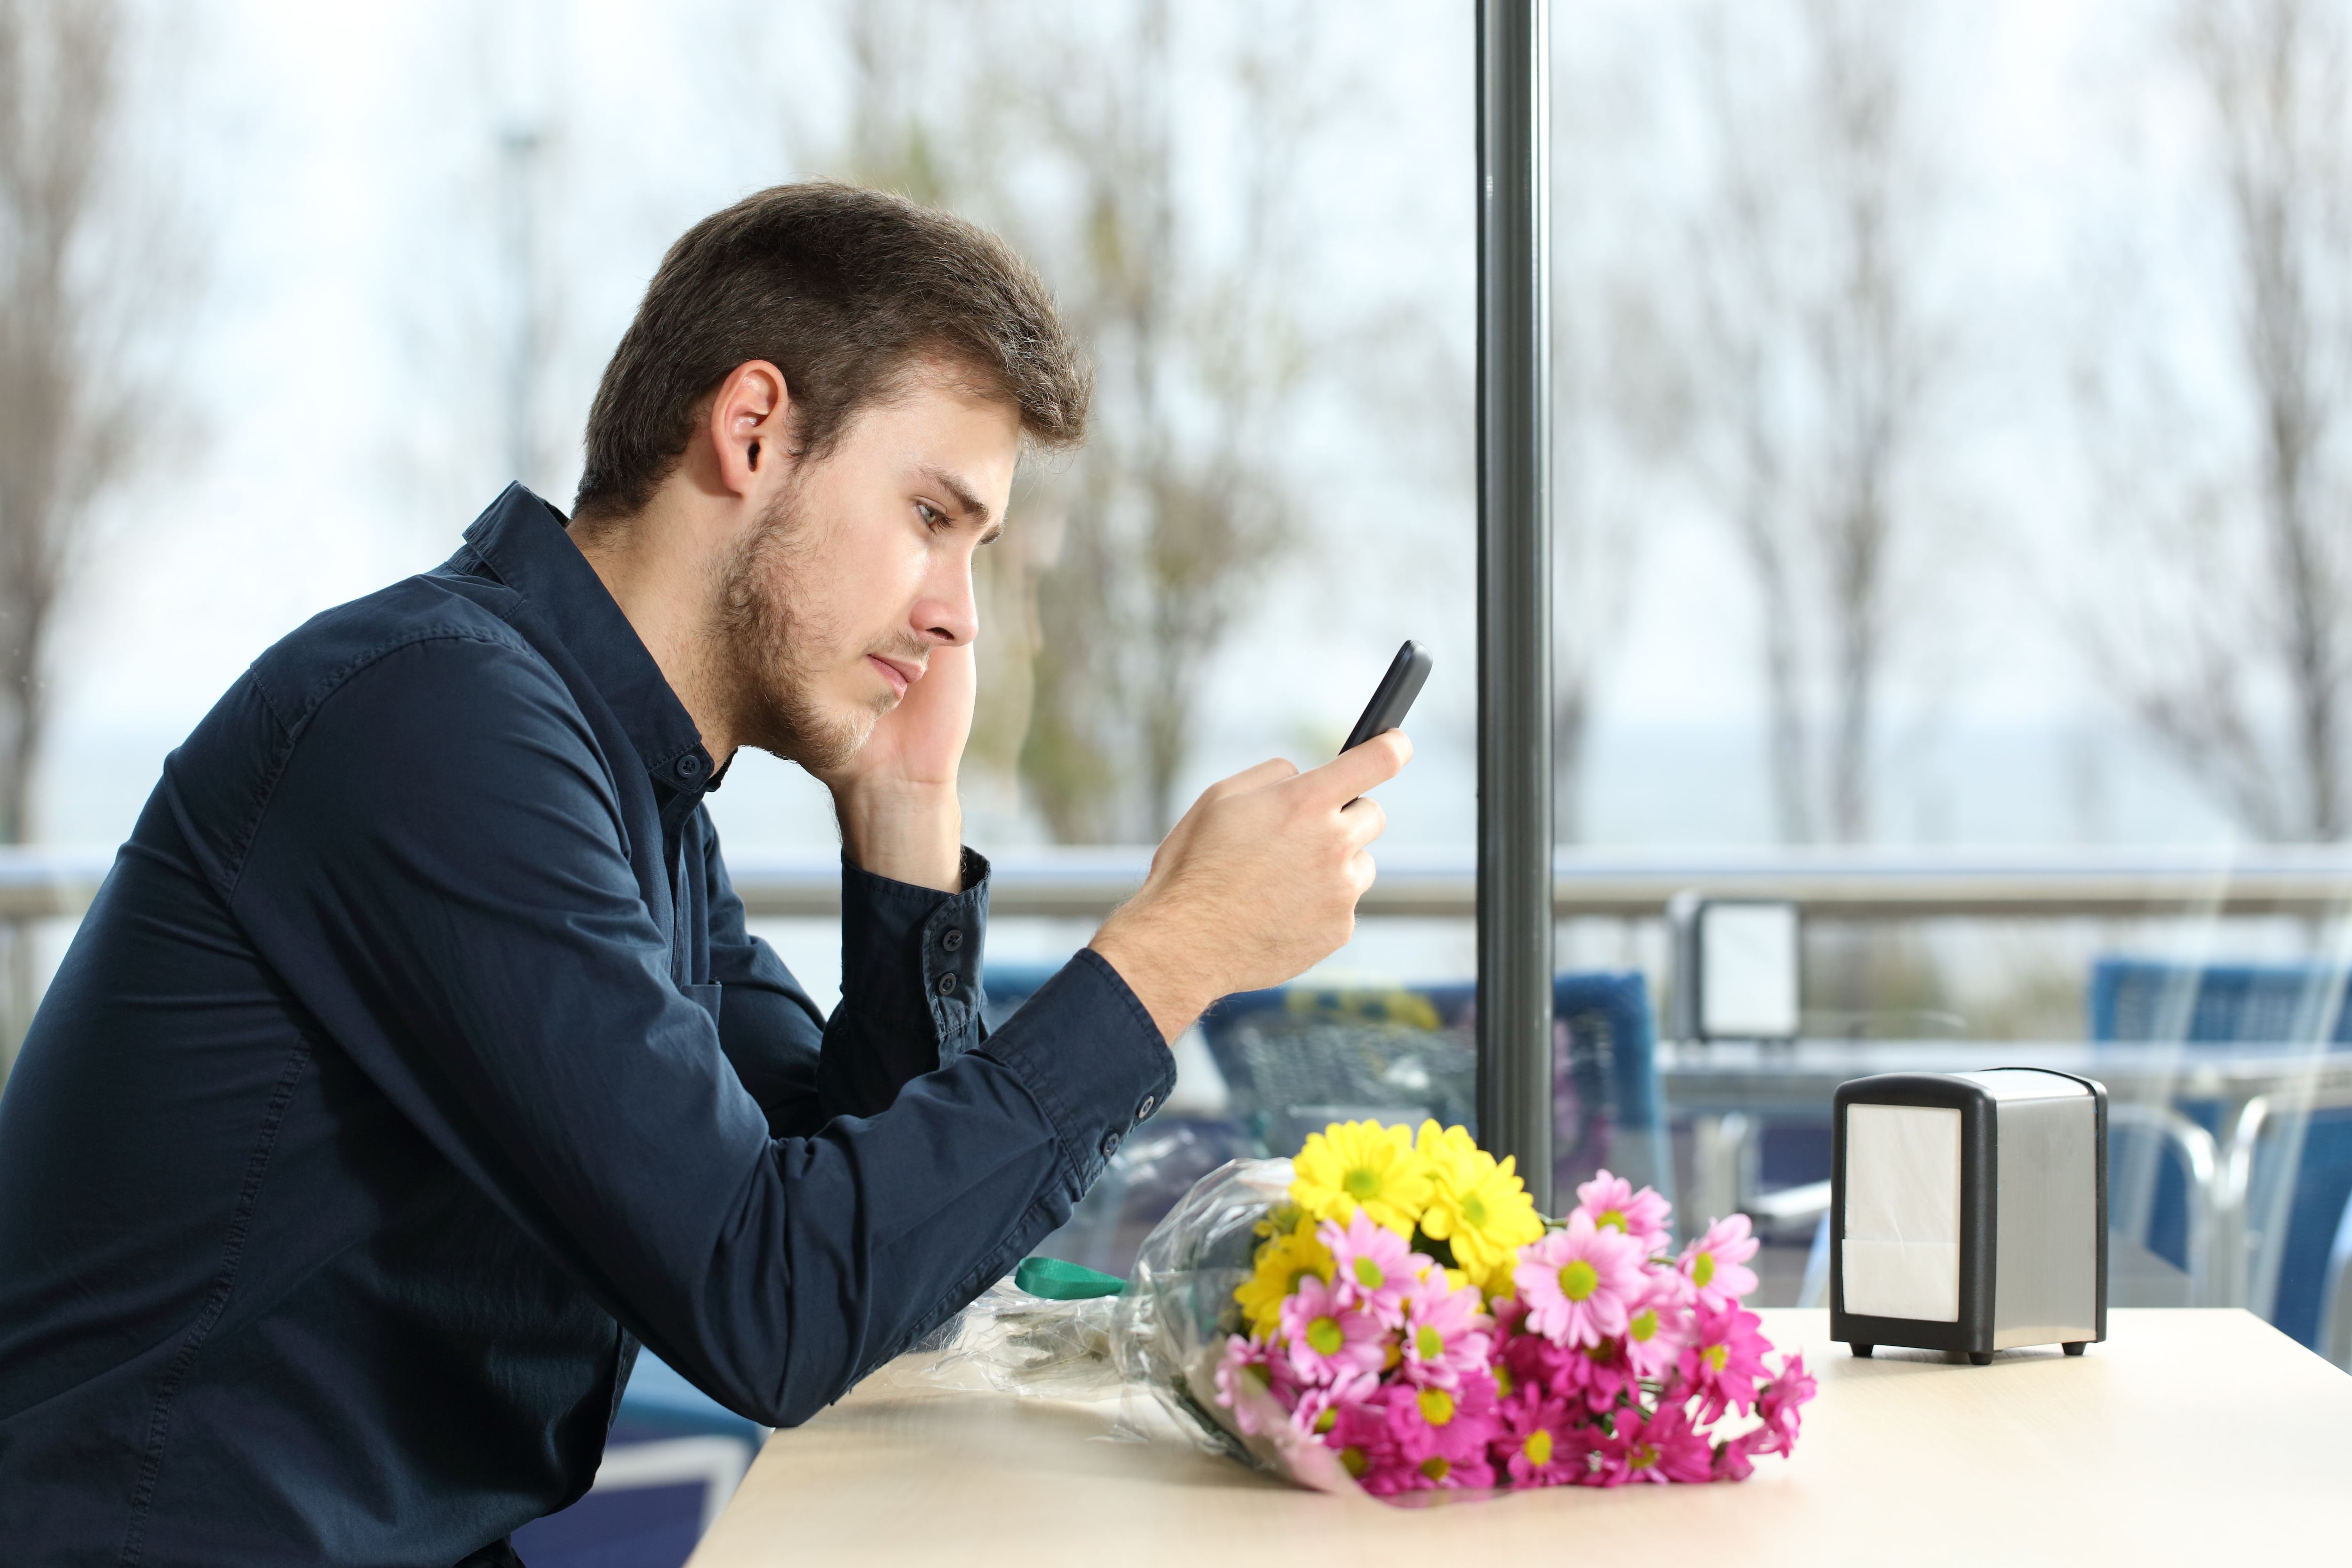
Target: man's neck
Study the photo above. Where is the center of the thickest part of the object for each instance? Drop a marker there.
(652, 566)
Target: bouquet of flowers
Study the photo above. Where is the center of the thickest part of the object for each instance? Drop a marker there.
(1410, 1323)
(1387, 1313)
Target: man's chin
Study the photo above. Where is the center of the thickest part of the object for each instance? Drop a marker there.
(824, 746)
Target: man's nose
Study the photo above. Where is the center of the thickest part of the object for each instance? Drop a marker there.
(949, 610)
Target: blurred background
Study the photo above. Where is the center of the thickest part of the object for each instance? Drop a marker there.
(1953, 505)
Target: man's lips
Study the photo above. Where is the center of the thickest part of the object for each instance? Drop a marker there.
(898, 672)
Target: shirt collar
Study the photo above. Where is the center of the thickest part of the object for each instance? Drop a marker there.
(522, 539)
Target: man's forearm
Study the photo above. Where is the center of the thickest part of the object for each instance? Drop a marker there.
(910, 834)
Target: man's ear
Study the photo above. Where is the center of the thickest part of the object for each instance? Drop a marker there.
(748, 420)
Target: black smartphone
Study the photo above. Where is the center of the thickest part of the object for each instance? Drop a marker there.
(1392, 699)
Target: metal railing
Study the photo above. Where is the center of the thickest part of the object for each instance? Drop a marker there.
(39, 883)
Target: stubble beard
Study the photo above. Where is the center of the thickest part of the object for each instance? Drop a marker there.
(765, 639)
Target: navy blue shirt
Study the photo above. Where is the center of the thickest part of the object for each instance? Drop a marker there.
(414, 1064)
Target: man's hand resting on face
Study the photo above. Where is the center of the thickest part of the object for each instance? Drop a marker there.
(1257, 883)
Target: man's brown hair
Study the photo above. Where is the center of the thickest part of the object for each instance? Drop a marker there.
(845, 291)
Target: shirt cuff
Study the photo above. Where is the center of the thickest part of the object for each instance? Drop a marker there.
(910, 956)
(1087, 1049)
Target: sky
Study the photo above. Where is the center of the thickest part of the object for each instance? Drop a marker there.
(338, 172)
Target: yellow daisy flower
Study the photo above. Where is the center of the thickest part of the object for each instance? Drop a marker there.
(1352, 1166)
(1282, 1263)
(1479, 1208)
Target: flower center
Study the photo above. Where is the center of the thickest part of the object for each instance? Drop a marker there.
(1298, 1274)
(1256, 1373)
(1538, 1447)
(1327, 1420)
(1323, 1336)
(1642, 1457)
(1716, 1357)
(1579, 1279)
(1434, 1467)
(1703, 1270)
(1436, 1406)
(1355, 1461)
(1612, 1219)
(1503, 1384)
(1362, 1184)
(1370, 1275)
(1644, 1326)
(1428, 1344)
(1474, 1209)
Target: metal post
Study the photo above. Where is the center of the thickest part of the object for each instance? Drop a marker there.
(1514, 852)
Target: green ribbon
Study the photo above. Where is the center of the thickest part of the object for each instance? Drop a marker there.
(1058, 1281)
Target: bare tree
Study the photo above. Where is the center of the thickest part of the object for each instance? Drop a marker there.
(1621, 399)
(1182, 499)
(1057, 126)
(1816, 357)
(2221, 625)
(86, 265)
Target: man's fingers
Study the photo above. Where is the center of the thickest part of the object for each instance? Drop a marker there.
(1360, 870)
(1364, 821)
(1353, 772)
(1274, 770)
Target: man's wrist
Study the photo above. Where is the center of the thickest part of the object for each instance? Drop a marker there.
(911, 833)
(1168, 988)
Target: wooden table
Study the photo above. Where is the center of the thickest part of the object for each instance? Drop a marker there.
(2190, 1437)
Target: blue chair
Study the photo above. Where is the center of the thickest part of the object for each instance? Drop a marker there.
(671, 1461)
(2216, 1004)
(2151, 1000)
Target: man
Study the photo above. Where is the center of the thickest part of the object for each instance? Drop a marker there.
(414, 1065)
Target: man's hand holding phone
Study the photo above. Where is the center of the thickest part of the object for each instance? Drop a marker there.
(1257, 883)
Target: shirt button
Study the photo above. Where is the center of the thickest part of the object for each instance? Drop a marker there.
(1150, 1104)
(688, 765)
(1110, 1144)
(947, 984)
(954, 939)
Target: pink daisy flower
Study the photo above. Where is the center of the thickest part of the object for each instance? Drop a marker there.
(1372, 1268)
(1445, 1433)
(1318, 1410)
(1607, 1379)
(1657, 1326)
(1533, 1362)
(1325, 1339)
(1660, 1448)
(1614, 1206)
(1444, 1333)
(1539, 1443)
(1722, 1360)
(1780, 1403)
(1717, 1263)
(1577, 1283)
(1368, 1449)
(1735, 1460)
(1246, 1362)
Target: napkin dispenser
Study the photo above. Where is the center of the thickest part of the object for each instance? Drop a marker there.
(1968, 1211)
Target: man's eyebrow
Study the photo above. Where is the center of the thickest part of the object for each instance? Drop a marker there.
(971, 505)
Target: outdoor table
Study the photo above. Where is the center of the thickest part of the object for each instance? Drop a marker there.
(1792, 1081)
(2192, 1437)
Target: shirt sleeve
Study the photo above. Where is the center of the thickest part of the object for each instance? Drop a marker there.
(910, 967)
(451, 896)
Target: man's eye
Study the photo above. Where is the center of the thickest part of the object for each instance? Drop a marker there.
(930, 514)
